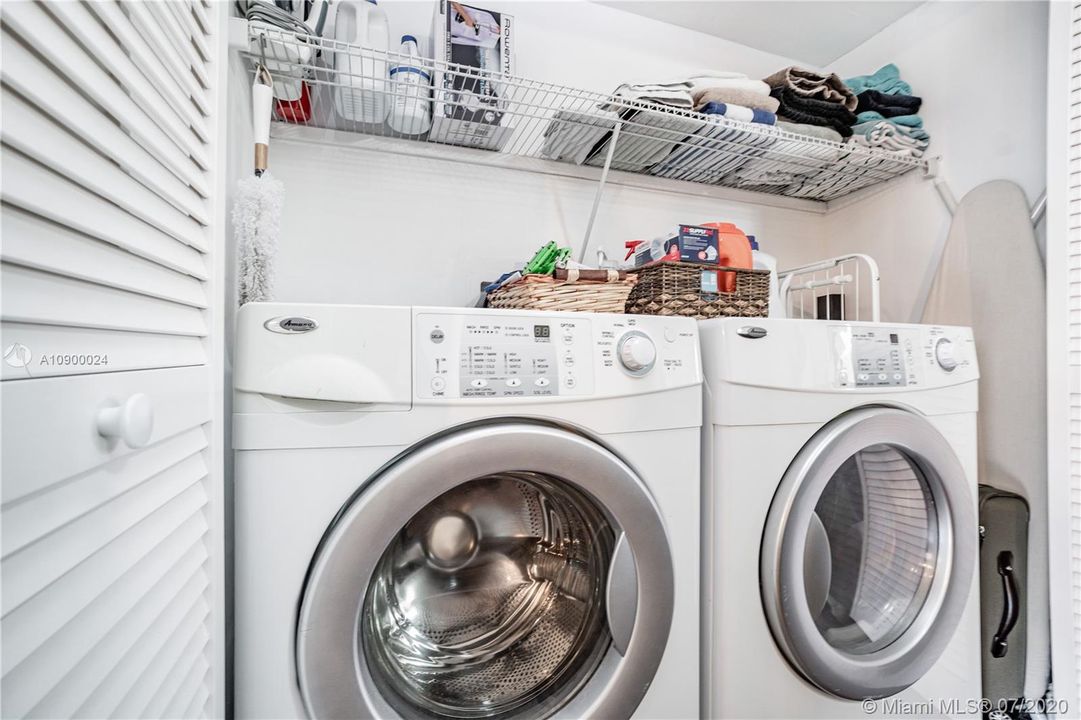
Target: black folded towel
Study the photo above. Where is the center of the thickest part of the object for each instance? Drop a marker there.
(887, 105)
(802, 109)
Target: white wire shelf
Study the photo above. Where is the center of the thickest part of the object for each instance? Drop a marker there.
(321, 83)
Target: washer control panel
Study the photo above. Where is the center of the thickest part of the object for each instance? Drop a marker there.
(534, 355)
(896, 357)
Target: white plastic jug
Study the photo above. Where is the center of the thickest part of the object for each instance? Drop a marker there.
(410, 104)
(765, 261)
(362, 87)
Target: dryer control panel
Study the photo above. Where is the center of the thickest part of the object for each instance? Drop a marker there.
(882, 356)
(543, 355)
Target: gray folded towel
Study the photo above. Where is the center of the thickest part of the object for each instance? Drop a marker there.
(816, 131)
(813, 85)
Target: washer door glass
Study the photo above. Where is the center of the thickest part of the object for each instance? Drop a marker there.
(871, 550)
(491, 597)
(868, 553)
(508, 569)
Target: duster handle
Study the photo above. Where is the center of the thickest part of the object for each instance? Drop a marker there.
(262, 96)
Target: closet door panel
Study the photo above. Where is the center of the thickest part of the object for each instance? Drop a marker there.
(122, 350)
(34, 242)
(29, 185)
(42, 448)
(111, 299)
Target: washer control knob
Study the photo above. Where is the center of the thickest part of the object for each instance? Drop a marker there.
(944, 355)
(637, 353)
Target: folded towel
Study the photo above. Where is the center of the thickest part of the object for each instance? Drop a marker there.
(784, 164)
(890, 145)
(714, 152)
(886, 134)
(727, 81)
(887, 105)
(815, 131)
(867, 128)
(853, 169)
(913, 121)
(647, 137)
(736, 96)
(572, 135)
(738, 112)
(811, 111)
(674, 94)
(887, 79)
(827, 88)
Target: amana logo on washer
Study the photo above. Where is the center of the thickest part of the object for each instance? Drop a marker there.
(294, 324)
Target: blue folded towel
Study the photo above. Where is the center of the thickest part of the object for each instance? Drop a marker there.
(739, 112)
(912, 121)
(887, 79)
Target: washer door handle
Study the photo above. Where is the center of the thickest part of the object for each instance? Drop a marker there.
(622, 595)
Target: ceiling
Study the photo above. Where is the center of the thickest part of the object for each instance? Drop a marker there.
(813, 33)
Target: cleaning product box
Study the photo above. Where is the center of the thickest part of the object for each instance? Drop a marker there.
(697, 244)
(691, 243)
(470, 105)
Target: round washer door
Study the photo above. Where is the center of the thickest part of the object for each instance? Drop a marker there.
(507, 570)
(868, 553)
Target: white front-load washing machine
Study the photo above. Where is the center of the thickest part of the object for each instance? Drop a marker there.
(457, 513)
(840, 532)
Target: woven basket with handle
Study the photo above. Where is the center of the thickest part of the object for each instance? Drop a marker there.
(566, 290)
(674, 288)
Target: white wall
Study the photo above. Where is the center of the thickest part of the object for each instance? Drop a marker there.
(362, 226)
(981, 69)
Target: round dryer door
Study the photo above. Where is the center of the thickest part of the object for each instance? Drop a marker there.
(508, 570)
(868, 553)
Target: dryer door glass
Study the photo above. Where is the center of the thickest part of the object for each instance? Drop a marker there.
(868, 553)
(871, 550)
(491, 597)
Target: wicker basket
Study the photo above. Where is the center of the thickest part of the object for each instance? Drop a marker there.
(567, 290)
(672, 288)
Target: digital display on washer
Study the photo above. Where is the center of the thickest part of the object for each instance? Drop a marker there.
(877, 360)
(507, 360)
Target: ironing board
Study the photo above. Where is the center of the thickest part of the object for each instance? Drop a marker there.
(991, 278)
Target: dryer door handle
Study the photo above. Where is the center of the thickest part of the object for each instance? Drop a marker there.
(622, 595)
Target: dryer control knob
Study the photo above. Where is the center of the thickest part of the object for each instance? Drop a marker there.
(944, 355)
(637, 353)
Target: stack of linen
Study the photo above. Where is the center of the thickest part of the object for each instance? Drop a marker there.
(807, 98)
(689, 142)
(719, 148)
(733, 95)
(715, 92)
(888, 116)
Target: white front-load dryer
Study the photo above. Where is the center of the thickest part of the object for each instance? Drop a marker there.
(840, 532)
(457, 513)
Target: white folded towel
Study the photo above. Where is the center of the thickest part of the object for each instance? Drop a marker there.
(674, 94)
(736, 81)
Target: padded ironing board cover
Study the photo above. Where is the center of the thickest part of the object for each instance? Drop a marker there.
(991, 278)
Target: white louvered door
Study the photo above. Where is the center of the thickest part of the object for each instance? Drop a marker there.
(111, 545)
(1064, 349)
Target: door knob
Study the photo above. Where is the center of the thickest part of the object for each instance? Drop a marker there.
(132, 422)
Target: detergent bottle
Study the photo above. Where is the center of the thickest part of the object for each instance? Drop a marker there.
(362, 84)
(765, 261)
(411, 104)
(734, 250)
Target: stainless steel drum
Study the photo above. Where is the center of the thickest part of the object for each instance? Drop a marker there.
(491, 597)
